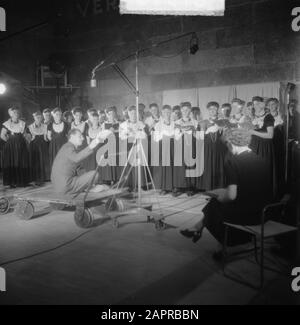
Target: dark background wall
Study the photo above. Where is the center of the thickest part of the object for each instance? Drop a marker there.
(253, 42)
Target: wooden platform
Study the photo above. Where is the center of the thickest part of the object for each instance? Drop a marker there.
(47, 194)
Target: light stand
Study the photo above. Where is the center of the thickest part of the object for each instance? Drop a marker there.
(138, 207)
(137, 147)
(288, 90)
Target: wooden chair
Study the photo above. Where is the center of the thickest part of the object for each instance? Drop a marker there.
(265, 230)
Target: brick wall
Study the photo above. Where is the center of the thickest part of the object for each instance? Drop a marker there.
(252, 43)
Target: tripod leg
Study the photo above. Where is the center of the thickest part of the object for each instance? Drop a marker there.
(127, 162)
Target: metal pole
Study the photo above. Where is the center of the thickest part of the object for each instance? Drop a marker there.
(287, 126)
(138, 142)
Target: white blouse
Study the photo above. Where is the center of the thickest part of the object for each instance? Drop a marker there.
(15, 127)
(80, 126)
(38, 130)
(58, 128)
(92, 133)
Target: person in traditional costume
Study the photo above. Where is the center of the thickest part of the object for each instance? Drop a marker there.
(102, 116)
(225, 111)
(142, 109)
(111, 174)
(131, 130)
(56, 133)
(249, 112)
(90, 112)
(294, 120)
(215, 151)
(93, 129)
(196, 114)
(79, 124)
(82, 126)
(176, 113)
(153, 118)
(164, 135)
(237, 112)
(39, 150)
(150, 121)
(262, 137)
(185, 128)
(224, 117)
(68, 117)
(278, 143)
(47, 116)
(16, 168)
(125, 116)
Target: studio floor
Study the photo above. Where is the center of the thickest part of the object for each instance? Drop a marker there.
(49, 260)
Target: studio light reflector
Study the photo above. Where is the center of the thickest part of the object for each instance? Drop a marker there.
(2, 89)
(173, 7)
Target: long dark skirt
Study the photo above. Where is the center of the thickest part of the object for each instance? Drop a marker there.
(2, 144)
(215, 153)
(111, 174)
(57, 141)
(163, 175)
(180, 179)
(130, 172)
(265, 149)
(16, 169)
(39, 159)
(215, 213)
(278, 142)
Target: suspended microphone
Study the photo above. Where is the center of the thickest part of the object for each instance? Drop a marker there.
(93, 83)
(93, 80)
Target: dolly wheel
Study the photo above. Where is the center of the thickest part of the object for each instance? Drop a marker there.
(83, 218)
(24, 210)
(4, 205)
(160, 225)
(116, 223)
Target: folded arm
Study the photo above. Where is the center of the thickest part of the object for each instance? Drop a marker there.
(265, 135)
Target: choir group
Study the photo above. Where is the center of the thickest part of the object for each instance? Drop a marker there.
(28, 151)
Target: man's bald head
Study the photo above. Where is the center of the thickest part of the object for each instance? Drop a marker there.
(75, 137)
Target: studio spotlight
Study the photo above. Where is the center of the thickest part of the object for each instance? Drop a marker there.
(2, 89)
(194, 44)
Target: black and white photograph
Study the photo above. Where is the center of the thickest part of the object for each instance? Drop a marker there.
(149, 155)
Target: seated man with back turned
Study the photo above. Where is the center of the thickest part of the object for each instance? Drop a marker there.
(241, 202)
(67, 176)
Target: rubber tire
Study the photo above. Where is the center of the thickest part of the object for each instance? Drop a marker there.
(24, 210)
(4, 205)
(83, 218)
